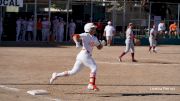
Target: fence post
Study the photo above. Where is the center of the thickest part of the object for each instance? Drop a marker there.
(149, 22)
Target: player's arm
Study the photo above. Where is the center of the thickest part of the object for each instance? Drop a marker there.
(76, 39)
(98, 44)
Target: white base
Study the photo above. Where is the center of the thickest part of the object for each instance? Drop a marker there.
(37, 92)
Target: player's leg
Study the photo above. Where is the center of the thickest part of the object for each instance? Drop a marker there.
(154, 46)
(110, 40)
(132, 52)
(76, 68)
(107, 38)
(150, 44)
(126, 50)
(89, 62)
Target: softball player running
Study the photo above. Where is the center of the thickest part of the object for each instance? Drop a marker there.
(84, 58)
(129, 43)
(152, 39)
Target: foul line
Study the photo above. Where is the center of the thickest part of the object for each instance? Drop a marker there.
(135, 63)
(9, 88)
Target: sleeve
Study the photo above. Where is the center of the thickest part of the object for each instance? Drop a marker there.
(82, 35)
(128, 32)
(97, 43)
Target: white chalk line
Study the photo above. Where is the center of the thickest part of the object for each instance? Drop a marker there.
(52, 99)
(17, 90)
(9, 88)
(132, 63)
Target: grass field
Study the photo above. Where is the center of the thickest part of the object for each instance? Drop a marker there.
(155, 77)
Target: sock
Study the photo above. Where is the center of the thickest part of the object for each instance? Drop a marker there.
(92, 79)
(132, 54)
(150, 48)
(122, 54)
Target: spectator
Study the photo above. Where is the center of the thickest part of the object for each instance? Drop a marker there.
(18, 28)
(99, 30)
(55, 26)
(109, 32)
(45, 29)
(24, 28)
(39, 30)
(161, 29)
(60, 35)
(72, 28)
(173, 30)
(30, 27)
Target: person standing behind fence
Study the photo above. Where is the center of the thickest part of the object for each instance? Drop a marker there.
(99, 30)
(45, 29)
(24, 28)
(39, 30)
(55, 26)
(18, 28)
(72, 28)
(129, 43)
(60, 35)
(30, 27)
(161, 29)
(153, 39)
(109, 32)
(1, 28)
(173, 30)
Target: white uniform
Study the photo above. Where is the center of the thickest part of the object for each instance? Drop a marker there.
(72, 28)
(152, 37)
(129, 40)
(109, 29)
(24, 29)
(18, 28)
(84, 58)
(60, 33)
(55, 26)
(30, 27)
(45, 30)
(161, 27)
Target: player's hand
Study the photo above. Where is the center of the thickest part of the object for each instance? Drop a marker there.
(78, 45)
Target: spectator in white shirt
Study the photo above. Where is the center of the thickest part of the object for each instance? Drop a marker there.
(109, 32)
(30, 27)
(72, 28)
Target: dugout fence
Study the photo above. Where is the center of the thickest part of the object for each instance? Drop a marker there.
(142, 14)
